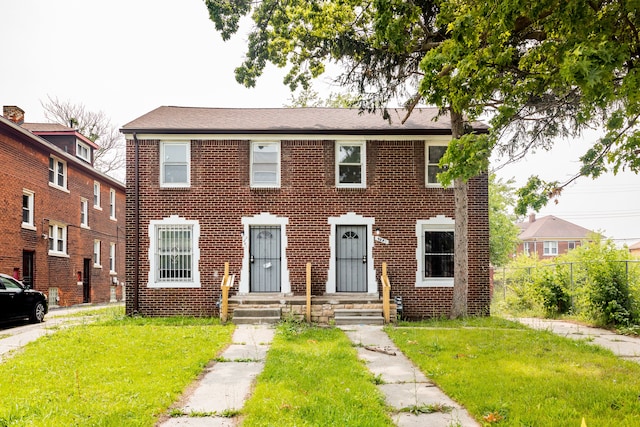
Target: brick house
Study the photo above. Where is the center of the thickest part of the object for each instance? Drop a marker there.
(269, 190)
(549, 236)
(63, 221)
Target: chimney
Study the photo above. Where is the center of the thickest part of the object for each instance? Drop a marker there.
(532, 218)
(13, 113)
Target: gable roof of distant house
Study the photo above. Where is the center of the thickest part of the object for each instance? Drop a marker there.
(635, 246)
(168, 119)
(551, 227)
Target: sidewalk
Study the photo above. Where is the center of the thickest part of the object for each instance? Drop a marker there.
(623, 346)
(403, 384)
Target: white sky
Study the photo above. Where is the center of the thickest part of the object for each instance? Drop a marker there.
(127, 57)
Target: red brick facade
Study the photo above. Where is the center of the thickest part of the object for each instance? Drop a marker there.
(220, 195)
(26, 169)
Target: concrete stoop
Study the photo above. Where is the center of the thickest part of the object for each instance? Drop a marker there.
(256, 316)
(355, 316)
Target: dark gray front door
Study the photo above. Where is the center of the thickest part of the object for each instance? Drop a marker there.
(264, 261)
(351, 262)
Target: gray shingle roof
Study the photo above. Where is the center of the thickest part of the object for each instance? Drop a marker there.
(289, 120)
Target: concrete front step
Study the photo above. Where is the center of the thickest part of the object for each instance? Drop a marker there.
(359, 320)
(355, 312)
(250, 316)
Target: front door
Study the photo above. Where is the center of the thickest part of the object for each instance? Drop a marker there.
(86, 281)
(264, 258)
(351, 258)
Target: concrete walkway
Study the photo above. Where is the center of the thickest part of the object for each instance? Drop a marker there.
(403, 385)
(623, 346)
(226, 384)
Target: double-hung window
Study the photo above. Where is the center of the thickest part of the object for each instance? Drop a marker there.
(96, 194)
(351, 165)
(435, 252)
(83, 151)
(175, 161)
(112, 258)
(112, 203)
(550, 248)
(96, 254)
(84, 213)
(27, 209)
(265, 164)
(57, 239)
(174, 253)
(433, 154)
(57, 172)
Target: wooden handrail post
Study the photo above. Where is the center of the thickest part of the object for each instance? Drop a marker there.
(309, 292)
(386, 291)
(224, 306)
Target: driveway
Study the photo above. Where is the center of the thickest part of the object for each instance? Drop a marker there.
(624, 346)
(14, 337)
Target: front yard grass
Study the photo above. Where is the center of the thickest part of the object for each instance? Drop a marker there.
(116, 371)
(313, 377)
(508, 375)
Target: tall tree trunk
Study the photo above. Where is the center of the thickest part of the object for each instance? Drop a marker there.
(461, 240)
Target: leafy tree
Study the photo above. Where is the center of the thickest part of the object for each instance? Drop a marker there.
(110, 156)
(503, 233)
(311, 98)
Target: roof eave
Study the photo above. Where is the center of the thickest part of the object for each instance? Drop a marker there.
(307, 131)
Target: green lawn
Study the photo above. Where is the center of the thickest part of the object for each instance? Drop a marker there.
(117, 371)
(510, 375)
(313, 377)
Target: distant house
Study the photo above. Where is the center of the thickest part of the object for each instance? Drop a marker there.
(549, 236)
(635, 249)
(62, 222)
(269, 190)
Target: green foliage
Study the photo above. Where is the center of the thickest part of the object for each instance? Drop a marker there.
(520, 377)
(503, 233)
(552, 292)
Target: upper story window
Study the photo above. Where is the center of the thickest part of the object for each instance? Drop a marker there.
(27, 209)
(57, 239)
(96, 194)
(174, 253)
(112, 203)
(525, 248)
(83, 151)
(265, 164)
(350, 165)
(84, 213)
(175, 159)
(57, 172)
(433, 154)
(550, 248)
(571, 245)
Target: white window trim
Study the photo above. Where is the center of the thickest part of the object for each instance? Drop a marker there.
(112, 258)
(278, 180)
(112, 204)
(264, 218)
(438, 142)
(98, 206)
(526, 248)
(174, 220)
(31, 195)
(84, 209)
(65, 171)
(81, 145)
(437, 223)
(351, 218)
(548, 246)
(363, 164)
(187, 184)
(54, 251)
(97, 249)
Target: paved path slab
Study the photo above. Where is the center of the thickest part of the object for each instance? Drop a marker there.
(404, 385)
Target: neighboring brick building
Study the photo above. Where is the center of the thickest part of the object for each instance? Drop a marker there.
(269, 190)
(63, 222)
(549, 236)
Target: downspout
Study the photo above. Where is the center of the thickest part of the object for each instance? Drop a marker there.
(136, 225)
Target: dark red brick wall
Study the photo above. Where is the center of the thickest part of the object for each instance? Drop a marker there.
(220, 195)
(29, 169)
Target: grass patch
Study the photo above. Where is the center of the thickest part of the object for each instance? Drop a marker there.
(516, 376)
(117, 371)
(313, 377)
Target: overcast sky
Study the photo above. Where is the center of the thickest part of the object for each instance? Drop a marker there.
(127, 57)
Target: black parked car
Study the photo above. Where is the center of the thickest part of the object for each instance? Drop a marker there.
(17, 301)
